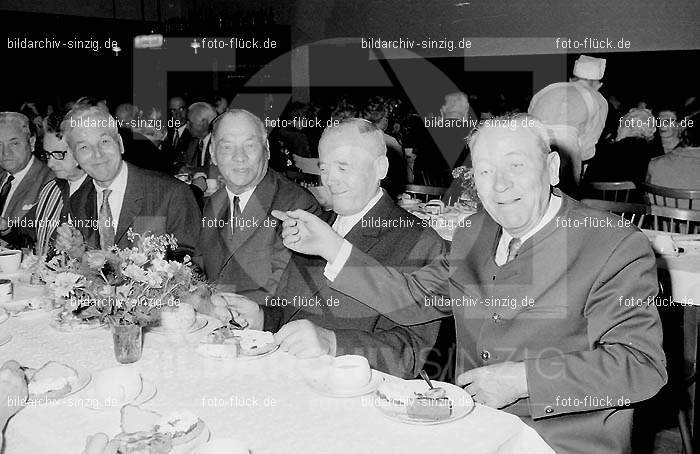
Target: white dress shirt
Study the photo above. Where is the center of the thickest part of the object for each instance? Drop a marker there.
(502, 248)
(74, 185)
(19, 176)
(116, 197)
(243, 198)
(342, 226)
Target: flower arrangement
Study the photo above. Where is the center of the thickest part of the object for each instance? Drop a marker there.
(126, 286)
(465, 176)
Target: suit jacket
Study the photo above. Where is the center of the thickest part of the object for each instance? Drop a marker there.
(575, 305)
(153, 202)
(26, 235)
(175, 152)
(251, 261)
(26, 194)
(404, 242)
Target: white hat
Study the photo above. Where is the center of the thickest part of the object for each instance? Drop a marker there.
(589, 67)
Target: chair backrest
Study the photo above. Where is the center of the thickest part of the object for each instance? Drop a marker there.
(426, 192)
(306, 165)
(616, 191)
(676, 220)
(671, 197)
(634, 212)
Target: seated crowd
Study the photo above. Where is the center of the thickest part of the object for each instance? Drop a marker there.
(278, 242)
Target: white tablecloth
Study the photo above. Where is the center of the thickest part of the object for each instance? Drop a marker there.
(277, 412)
(444, 224)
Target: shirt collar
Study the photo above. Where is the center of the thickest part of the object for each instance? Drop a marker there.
(118, 184)
(243, 197)
(74, 185)
(20, 175)
(346, 223)
(552, 210)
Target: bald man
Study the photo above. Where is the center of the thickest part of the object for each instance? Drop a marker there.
(240, 247)
(553, 301)
(319, 320)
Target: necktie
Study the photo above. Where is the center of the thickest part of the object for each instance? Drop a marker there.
(206, 159)
(513, 248)
(236, 213)
(5, 191)
(106, 224)
(200, 150)
(176, 137)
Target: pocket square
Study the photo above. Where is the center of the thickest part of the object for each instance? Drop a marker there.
(28, 207)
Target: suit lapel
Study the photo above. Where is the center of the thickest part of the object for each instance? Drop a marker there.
(84, 211)
(133, 198)
(364, 238)
(14, 204)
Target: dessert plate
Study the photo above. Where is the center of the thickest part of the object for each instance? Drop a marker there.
(241, 356)
(84, 377)
(148, 391)
(5, 339)
(462, 403)
(75, 328)
(199, 323)
(322, 387)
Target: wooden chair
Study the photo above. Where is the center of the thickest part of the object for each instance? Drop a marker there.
(688, 199)
(677, 220)
(634, 212)
(616, 191)
(426, 192)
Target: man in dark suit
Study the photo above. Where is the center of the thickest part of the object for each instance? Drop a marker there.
(553, 301)
(23, 175)
(320, 320)
(240, 247)
(124, 196)
(178, 135)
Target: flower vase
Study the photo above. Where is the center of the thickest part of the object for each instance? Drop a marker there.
(128, 343)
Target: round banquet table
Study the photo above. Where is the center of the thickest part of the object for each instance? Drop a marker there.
(264, 403)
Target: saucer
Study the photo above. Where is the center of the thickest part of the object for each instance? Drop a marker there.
(148, 391)
(324, 388)
(462, 403)
(199, 323)
(82, 381)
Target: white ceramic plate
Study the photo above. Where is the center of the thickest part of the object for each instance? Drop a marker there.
(323, 388)
(148, 391)
(241, 356)
(84, 377)
(462, 404)
(199, 323)
(5, 339)
(192, 446)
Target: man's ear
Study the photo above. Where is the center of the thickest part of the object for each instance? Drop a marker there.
(121, 143)
(213, 153)
(381, 166)
(32, 142)
(553, 162)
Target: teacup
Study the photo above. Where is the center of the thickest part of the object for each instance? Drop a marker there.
(10, 261)
(349, 372)
(663, 244)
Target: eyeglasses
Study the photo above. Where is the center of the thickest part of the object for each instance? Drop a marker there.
(58, 155)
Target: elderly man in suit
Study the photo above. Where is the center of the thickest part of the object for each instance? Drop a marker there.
(553, 301)
(320, 320)
(122, 195)
(240, 247)
(23, 175)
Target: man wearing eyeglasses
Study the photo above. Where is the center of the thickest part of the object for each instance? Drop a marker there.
(22, 175)
(39, 224)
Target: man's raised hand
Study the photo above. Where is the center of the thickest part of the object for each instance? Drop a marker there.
(307, 234)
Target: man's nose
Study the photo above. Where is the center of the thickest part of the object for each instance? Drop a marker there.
(501, 181)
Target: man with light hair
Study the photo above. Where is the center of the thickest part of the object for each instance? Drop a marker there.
(353, 162)
(541, 285)
(575, 113)
(240, 248)
(123, 196)
(22, 175)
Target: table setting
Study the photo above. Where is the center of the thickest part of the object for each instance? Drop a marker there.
(444, 219)
(106, 375)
